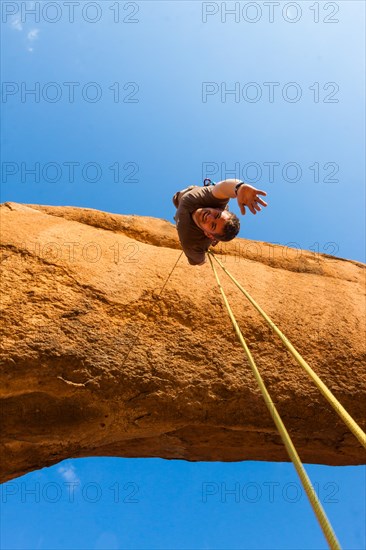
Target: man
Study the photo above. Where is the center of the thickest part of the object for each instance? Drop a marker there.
(203, 218)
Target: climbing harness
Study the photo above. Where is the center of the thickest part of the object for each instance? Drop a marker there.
(291, 450)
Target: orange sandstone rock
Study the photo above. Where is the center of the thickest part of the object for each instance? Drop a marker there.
(109, 351)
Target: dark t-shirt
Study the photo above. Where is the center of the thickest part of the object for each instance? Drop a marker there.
(193, 240)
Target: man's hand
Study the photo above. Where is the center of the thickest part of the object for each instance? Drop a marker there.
(248, 196)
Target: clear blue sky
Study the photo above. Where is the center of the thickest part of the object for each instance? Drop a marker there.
(160, 74)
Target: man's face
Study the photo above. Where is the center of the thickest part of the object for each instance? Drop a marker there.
(211, 220)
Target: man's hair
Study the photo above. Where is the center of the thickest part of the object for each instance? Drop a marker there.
(231, 228)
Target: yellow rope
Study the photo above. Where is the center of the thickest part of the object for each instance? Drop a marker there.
(345, 416)
(315, 503)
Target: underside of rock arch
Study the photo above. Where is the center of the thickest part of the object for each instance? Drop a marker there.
(109, 351)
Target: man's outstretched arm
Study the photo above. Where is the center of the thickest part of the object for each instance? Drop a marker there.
(247, 195)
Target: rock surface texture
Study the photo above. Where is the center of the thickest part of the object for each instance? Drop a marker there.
(109, 351)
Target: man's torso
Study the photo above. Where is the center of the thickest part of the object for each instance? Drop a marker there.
(193, 240)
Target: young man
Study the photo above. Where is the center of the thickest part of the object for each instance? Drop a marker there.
(203, 218)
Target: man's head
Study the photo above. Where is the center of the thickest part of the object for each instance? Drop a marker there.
(217, 224)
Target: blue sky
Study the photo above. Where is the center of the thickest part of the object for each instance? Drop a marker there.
(151, 112)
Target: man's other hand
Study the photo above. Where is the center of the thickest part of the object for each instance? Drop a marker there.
(248, 196)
